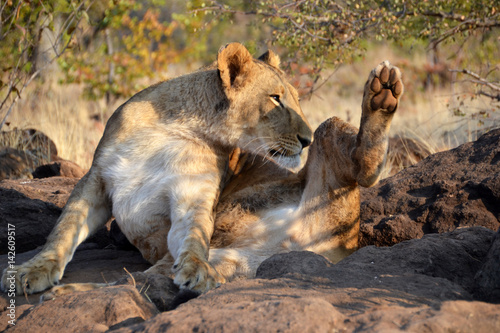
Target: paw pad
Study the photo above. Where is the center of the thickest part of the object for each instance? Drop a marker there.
(386, 88)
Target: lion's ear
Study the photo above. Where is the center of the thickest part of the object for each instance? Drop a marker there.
(271, 58)
(234, 62)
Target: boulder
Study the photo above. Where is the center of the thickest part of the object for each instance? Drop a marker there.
(55, 190)
(33, 207)
(430, 262)
(15, 164)
(22, 150)
(422, 284)
(92, 311)
(158, 289)
(392, 288)
(487, 279)
(60, 168)
(447, 190)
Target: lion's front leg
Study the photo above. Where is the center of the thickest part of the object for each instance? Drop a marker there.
(381, 97)
(86, 210)
(192, 227)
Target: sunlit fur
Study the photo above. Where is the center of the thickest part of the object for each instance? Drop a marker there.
(264, 209)
(162, 162)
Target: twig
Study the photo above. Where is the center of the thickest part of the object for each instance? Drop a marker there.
(35, 74)
(133, 279)
(102, 275)
(497, 97)
(479, 79)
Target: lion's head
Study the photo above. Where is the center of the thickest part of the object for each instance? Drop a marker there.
(263, 105)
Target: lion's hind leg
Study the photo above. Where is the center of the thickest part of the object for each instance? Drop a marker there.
(382, 93)
(69, 288)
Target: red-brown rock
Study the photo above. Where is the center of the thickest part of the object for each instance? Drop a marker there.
(92, 311)
(33, 207)
(447, 190)
(437, 272)
(60, 168)
(22, 150)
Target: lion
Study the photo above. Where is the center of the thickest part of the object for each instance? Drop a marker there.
(163, 160)
(264, 208)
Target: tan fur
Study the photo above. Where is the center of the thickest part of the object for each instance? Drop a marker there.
(163, 160)
(266, 210)
(262, 208)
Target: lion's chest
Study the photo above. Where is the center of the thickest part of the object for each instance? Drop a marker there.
(150, 176)
(139, 187)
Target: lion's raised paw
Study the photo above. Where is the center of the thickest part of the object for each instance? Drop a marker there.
(385, 88)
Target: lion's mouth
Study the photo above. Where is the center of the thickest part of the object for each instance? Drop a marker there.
(282, 155)
(282, 152)
(275, 152)
(285, 158)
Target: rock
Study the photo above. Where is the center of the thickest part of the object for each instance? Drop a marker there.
(33, 207)
(89, 264)
(54, 190)
(22, 150)
(32, 154)
(96, 310)
(422, 284)
(435, 271)
(487, 279)
(159, 289)
(15, 164)
(308, 314)
(30, 140)
(98, 266)
(23, 213)
(450, 316)
(447, 190)
(394, 266)
(430, 256)
(391, 288)
(302, 262)
(61, 168)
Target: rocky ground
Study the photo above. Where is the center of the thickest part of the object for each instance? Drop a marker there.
(430, 262)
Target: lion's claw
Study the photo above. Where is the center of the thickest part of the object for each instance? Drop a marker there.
(196, 274)
(31, 277)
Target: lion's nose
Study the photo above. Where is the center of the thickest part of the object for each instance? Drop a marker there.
(304, 141)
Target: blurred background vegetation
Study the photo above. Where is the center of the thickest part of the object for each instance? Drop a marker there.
(67, 64)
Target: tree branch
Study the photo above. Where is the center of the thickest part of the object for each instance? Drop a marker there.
(478, 78)
(13, 85)
(482, 81)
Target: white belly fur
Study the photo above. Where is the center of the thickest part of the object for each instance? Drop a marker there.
(154, 181)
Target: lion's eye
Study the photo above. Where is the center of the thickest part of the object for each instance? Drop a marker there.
(276, 100)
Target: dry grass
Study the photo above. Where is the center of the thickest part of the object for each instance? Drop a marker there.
(76, 124)
(424, 116)
(73, 123)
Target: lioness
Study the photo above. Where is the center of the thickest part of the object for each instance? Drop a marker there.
(163, 160)
(265, 209)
